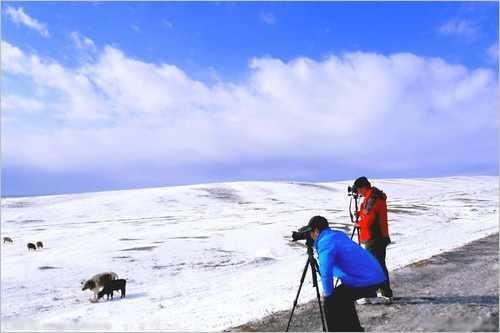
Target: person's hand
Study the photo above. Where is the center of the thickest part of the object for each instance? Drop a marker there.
(323, 295)
(356, 225)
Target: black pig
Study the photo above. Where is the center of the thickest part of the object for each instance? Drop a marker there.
(118, 284)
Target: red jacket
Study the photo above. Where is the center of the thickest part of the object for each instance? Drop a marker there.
(373, 218)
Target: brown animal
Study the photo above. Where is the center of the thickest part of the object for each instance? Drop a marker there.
(39, 245)
(31, 246)
(7, 240)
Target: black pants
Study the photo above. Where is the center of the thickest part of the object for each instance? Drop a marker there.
(378, 250)
(340, 310)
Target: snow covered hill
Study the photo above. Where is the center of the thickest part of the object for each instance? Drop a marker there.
(210, 256)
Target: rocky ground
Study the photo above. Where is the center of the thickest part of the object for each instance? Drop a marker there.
(454, 291)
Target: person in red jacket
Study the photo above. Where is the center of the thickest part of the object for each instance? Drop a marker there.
(373, 227)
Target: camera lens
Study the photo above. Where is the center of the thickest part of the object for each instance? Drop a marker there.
(298, 236)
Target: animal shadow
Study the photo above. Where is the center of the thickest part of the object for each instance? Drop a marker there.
(136, 295)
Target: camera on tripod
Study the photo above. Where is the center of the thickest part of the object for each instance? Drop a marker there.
(302, 234)
(352, 190)
(353, 193)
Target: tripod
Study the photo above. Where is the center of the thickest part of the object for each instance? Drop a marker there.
(356, 213)
(311, 261)
(353, 193)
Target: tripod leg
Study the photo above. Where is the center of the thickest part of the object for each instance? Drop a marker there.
(353, 231)
(315, 281)
(298, 292)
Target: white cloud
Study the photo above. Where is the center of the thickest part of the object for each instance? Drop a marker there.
(79, 101)
(401, 110)
(20, 17)
(462, 28)
(168, 24)
(268, 18)
(82, 42)
(493, 53)
(19, 103)
(214, 74)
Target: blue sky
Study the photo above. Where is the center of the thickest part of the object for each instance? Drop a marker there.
(116, 95)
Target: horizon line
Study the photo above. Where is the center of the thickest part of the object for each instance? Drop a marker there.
(10, 196)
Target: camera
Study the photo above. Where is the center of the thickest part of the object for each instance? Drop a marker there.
(303, 234)
(297, 235)
(352, 190)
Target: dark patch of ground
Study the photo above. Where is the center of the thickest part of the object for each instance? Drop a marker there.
(32, 221)
(454, 291)
(315, 185)
(144, 248)
(186, 237)
(18, 204)
(223, 194)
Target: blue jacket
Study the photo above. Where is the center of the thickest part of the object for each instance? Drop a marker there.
(339, 256)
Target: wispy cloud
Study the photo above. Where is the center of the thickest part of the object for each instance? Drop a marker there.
(301, 110)
(78, 98)
(82, 42)
(268, 18)
(135, 27)
(214, 74)
(493, 53)
(18, 103)
(323, 31)
(461, 28)
(168, 24)
(18, 16)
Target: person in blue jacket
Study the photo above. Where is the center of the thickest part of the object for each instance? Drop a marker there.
(359, 272)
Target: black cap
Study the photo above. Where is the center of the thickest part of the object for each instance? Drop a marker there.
(362, 182)
(316, 222)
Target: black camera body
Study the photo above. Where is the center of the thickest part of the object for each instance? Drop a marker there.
(297, 235)
(352, 190)
(303, 234)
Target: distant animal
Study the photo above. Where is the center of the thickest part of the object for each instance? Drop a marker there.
(31, 246)
(39, 245)
(7, 240)
(118, 284)
(98, 281)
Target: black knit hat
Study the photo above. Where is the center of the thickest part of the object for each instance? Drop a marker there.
(316, 222)
(362, 182)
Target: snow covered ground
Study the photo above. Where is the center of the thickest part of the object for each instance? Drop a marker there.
(210, 256)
